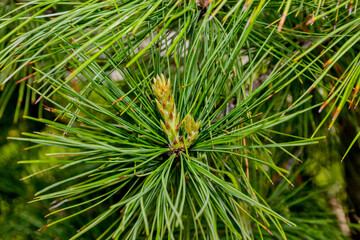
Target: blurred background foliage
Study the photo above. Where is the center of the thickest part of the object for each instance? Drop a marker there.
(18, 219)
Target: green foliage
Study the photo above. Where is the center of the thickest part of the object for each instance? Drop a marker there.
(195, 153)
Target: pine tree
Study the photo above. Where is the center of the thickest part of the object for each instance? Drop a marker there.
(184, 119)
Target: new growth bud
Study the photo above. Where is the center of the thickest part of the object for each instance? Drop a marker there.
(166, 105)
(191, 129)
(167, 108)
